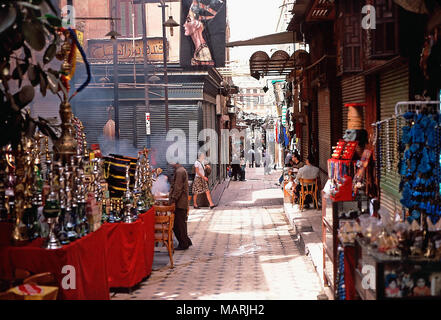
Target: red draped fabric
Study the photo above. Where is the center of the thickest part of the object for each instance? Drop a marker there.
(116, 255)
(5, 233)
(85, 255)
(149, 228)
(350, 273)
(125, 253)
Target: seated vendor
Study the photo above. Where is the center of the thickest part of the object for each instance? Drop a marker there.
(295, 164)
(308, 172)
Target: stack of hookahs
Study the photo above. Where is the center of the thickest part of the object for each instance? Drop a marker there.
(130, 183)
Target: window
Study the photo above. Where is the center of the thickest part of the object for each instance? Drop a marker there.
(349, 29)
(125, 26)
(385, 36)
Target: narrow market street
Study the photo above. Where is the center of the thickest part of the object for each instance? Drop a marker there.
(243, 249)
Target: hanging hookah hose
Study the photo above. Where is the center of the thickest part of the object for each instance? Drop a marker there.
(86, 63)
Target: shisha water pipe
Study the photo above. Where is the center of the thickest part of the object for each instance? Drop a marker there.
(66, 146)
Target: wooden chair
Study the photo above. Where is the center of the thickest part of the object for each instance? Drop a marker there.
(164, 220)
(21, 274)
(308, 187)
(42, 279)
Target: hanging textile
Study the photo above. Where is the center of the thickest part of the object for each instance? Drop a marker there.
(285, 137)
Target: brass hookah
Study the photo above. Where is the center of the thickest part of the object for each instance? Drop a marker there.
(66, 146)
(127, 200)
(24, 166)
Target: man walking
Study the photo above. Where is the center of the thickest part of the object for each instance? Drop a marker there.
(179, 196)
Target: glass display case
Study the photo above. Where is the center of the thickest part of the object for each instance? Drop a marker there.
(331, 211)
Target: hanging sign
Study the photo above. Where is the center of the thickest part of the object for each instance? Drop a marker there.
(103, 49)
(284, 116)
(147, 123)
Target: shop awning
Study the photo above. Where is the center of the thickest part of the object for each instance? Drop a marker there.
(270, 39)
(280, 63)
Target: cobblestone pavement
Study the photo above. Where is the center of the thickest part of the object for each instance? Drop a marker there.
(243, 249)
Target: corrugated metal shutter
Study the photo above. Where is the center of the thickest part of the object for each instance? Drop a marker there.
(140, 129)
(394, 87)
(353, 91)
(324, 126)
(94, 119)
(127, 132)
(305, 142)
(179, 117)
(209, 114)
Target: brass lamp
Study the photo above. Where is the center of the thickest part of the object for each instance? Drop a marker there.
(170, 23)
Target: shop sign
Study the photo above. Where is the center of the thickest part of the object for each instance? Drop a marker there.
(284, 116)
(147, 123)
(103, 49)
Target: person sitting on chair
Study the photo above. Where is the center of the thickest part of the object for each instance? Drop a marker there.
(308, 172)
(294, 163)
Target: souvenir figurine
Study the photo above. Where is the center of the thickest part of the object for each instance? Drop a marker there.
(392, 289)
(421, 289)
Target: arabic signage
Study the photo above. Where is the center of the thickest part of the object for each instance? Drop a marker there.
(103, 49)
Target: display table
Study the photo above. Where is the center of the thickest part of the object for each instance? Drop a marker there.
(416, 277)
(6, 229)
(85, 255)
(116, 255)
(130, 251)
(148, 219)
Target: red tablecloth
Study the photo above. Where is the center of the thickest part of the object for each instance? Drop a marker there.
(125, 253)
(116, 255)
(6, 229)
(86, 255)
(130, 249)
(148, 219)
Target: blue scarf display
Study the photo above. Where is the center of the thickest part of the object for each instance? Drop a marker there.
(420, 167)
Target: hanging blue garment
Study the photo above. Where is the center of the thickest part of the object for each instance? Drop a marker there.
(285, 137)
(281, 136)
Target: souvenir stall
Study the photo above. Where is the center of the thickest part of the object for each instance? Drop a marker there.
(379, 255)
(54, 204)
(404, 250)
(344, 198)
(398, 255)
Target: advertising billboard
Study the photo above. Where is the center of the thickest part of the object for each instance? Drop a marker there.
(203, 33)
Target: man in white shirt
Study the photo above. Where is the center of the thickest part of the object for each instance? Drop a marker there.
(308, 172)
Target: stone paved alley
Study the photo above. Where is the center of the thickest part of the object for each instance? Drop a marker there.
(243, 249)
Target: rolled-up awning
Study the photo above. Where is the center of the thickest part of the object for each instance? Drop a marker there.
(280, 63)
(270, 39)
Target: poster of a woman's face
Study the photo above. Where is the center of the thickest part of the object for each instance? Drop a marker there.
(203, 43)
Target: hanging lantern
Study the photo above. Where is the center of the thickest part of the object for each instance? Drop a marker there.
(171, 23)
